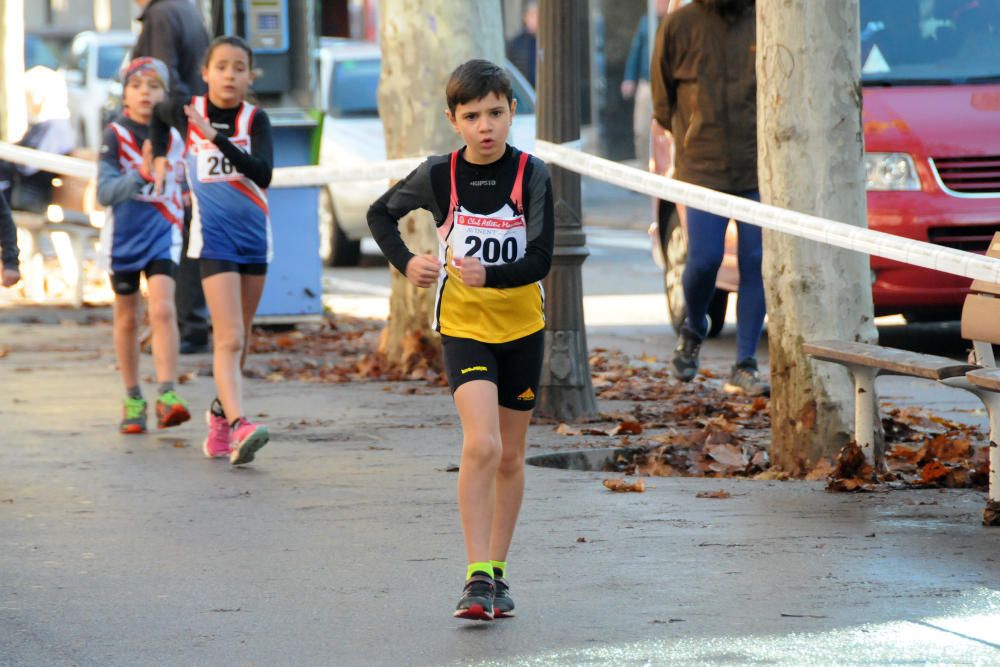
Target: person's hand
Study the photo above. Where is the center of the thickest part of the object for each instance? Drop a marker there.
(160, 169)
(146, 170)
(10, 277)
(628, 89)
(472, 271)
(662, 149)
(423, 270)
(200, 122)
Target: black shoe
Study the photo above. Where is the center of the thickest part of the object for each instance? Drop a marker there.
(686, 354)
(193, 347)
(503, 603)
(746, 380)
(477, 599)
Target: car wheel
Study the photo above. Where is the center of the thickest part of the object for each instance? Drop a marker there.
(675, 259)
(335, 248)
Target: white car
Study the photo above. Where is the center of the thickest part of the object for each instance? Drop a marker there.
(90, 71)
(352, 134)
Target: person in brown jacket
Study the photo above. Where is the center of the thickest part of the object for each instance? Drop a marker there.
(705, 95)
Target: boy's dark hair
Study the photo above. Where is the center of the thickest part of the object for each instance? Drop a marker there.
(474, 80)
(231, 40)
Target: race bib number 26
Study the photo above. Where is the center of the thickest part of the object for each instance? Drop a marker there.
(213, 166)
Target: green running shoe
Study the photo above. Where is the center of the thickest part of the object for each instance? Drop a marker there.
(134, 419)
(171, 410)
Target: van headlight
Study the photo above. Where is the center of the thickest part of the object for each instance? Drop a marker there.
(890, 171)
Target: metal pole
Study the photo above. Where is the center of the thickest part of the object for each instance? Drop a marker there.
(651, 22)
(566, 391)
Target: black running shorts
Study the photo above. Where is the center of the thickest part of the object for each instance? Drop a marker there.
(127, 282)
(210, 267)
(514, 367)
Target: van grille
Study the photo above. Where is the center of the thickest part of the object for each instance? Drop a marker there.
(969, 175)
(970, 238)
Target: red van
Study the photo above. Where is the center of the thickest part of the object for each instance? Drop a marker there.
(931, 77)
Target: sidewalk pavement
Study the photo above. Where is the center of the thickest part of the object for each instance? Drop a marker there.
(341, 544)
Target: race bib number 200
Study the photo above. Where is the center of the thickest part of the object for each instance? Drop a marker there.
(491, 240)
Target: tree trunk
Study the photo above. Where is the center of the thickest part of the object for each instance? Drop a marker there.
(14, 119)
(810, 148)
(423, 41)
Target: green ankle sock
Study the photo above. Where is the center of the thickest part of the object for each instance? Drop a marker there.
(499, 568)
(480, 568)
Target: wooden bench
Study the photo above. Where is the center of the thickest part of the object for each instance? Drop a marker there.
(980, 324)
(67, 224)
(865, 362)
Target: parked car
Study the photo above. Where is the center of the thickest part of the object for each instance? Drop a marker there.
(931, 82)
(352, 135)
(46, 48)
(90, 70)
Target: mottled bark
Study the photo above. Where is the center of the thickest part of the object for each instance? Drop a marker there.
(423, 41)
(13, 113)
(810, 160)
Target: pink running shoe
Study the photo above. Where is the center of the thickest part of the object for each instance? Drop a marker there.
(219, 441)
(247, 439)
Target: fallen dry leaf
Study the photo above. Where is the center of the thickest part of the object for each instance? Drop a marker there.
(823, 469)
(630, 427)
(730, 455)
(720, 494)
(933, 471)
(849, 485)
(945, 448)
(773, 475)
(851, 463)
(624, 486)
(566, 429)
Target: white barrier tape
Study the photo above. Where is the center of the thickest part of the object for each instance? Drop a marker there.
(57, 164)
(297, 177)
(830, 232)
(283, 177)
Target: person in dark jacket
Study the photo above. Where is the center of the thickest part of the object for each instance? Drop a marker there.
(522, 48)
(8, 247)
(705, 95)
(174, 32)
(635, 83)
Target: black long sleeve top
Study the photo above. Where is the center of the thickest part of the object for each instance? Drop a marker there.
(482, 189)
(257, 165)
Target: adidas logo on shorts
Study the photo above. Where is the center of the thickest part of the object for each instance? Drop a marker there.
(526, 395)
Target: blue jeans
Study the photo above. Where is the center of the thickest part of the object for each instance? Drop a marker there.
(706, 234)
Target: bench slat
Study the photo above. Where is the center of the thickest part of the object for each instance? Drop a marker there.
(891, 360)
(987, 378)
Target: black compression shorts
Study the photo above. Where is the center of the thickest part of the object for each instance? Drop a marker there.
(209, 267)
(514, 367)
(127, 282)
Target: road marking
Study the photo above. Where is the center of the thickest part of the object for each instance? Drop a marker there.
(354, 286)
(623, 239)
(599, 310)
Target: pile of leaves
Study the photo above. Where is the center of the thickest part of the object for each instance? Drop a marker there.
(922, 451)
(696, 430)
(689, 429)
(340, 349)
